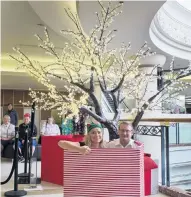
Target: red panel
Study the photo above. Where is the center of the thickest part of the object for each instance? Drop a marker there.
(52, 158)
(149, 163)
(147, 182)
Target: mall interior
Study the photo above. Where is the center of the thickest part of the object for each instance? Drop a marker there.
(161, 166)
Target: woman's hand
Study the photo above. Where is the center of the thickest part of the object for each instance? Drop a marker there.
(84, 150)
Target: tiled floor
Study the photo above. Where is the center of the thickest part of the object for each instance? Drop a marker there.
(47, 189)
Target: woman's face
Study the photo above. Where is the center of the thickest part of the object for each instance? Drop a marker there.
(95, 135)
(50, 120)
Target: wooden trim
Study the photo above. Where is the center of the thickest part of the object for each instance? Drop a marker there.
(161, 120)
(174, 192)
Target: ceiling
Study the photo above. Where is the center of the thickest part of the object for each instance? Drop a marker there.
(21, 80)
(133, 25)
(170, 29)
(19, 21)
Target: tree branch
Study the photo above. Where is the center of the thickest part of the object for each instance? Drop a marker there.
(116, 104)
(92, 80)
(95, 116)
(117, 116)
(81, 87)
(119, 85)
(96, 105)
(145, 105)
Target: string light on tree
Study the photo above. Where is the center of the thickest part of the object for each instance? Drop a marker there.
(88, 59)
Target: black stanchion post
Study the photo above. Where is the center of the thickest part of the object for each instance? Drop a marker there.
(26, 151)
(16, 192)
(30, 156)
(30, 147)
(38, 180)
(23, 177)
(163, 155)
(167, 158)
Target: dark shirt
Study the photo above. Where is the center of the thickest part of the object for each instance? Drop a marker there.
(22, 129)
(14, 116)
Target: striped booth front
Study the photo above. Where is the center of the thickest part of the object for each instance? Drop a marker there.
(104, 173)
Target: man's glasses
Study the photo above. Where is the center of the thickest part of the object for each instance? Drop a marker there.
(124, 130)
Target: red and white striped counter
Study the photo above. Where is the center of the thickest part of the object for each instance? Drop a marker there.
(104, 173)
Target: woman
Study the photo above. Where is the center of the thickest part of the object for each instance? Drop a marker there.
(94, 139)
(50, 129)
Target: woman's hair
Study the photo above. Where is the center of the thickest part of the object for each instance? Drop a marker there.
(88, 140)
(48, 118)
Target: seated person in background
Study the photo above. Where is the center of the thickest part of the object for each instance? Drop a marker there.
(31, 134)
(7, 131)
(49, 128)
(94, 139)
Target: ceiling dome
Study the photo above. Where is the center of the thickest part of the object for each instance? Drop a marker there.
(170, 29)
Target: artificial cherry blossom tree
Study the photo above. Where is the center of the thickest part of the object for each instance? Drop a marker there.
(89, 59)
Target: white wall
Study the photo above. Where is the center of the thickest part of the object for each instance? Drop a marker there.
(152, 145)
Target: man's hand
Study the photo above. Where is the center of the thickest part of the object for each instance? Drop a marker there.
(84, 150)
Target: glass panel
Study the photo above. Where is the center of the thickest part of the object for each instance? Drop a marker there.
(8, 96)
(26, 96)
(18, 96)
(185, 132)
(172, 134)
(45, 114)
(2, 96)
(19, 110)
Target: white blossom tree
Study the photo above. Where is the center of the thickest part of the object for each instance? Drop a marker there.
(88, 59)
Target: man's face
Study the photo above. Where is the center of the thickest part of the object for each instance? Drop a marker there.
(6, 120)
(125, 132)
(26, 120)
(10, 107)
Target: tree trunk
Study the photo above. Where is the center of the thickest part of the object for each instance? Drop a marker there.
(112, 129)
(137, 119)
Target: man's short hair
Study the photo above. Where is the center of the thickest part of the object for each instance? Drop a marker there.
(125, 123)
(9, 104)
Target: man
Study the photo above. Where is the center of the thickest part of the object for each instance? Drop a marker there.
(13, 114)
(7, 131)
(125, 131)
(26, 126)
